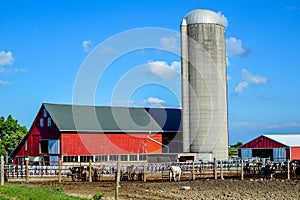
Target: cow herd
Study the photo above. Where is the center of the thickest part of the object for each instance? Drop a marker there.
(129, 173)
(266, 170)
(83, 173)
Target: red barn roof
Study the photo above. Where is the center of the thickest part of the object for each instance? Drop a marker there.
(274, 141)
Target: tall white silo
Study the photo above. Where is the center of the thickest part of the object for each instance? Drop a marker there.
(204, 85)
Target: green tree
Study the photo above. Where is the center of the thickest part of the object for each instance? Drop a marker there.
(233, 150)
(237, 145)
(11, 133)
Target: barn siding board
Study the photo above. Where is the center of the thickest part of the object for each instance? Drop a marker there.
(288, 154)
(112, 143)
(295, 153)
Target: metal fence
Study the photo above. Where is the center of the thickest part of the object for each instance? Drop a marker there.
(154, 171)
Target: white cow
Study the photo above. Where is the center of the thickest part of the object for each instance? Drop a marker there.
(174, 172)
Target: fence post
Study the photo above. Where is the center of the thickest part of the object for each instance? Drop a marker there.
(289, 170)
(145, 172)
(215, 168)
(162, 174)
(221, 163)
(118, 178)
(242, 170)
(2, 170)
(193, 171)
(90, 171)
(59, 170)
(26, 169)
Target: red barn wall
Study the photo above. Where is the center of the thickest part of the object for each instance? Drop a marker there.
(295, 153)
(37, 133)
(263, 142)
(108, 143)
(287, 151)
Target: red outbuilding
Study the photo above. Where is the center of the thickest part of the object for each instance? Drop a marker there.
(277, 147)
(78, 133)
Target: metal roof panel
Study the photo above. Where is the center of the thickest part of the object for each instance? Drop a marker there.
(291, 140)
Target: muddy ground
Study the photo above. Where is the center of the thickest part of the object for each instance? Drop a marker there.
(199, 189)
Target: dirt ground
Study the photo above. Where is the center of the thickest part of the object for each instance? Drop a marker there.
(199, 189)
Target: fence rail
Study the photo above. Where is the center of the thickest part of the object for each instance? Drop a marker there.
(190, 170)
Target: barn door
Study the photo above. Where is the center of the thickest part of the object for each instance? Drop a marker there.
(279, 154)
(246, 153)
(53, 147)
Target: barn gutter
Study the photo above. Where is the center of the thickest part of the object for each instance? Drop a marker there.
(157, 142)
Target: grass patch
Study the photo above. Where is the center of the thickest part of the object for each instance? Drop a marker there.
(23, 192)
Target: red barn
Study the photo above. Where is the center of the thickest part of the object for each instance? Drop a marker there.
(78, 133)
(277, 147)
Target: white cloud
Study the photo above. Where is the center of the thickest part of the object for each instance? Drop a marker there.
(4, 82)
(6, 58)
(151, 101)
(163, 70)
(85, 45)
(170, 43)
(11, 71)
(241, 86)
(154, 100)
(293, 8)
(287, 125)
(249, 79)
(235, 47)
(225, 21)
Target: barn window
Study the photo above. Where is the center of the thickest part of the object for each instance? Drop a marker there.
(142, 157)
(25, 146)
(124, 157)
(102, 158)
(133, 157)
(53, 147)
(70, 159)
(43, 146)
(113, 158)
(45, 113)
(42, 122)
(49, 121)
(86, 158)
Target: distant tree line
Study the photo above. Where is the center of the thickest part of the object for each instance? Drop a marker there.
(11, 134)
(233, 150)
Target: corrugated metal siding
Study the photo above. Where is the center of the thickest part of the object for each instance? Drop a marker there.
(246, 153)
(279, 154)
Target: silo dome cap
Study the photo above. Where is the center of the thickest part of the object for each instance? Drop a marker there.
(201, 16)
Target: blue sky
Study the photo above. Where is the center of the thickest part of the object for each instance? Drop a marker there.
(44, 45)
